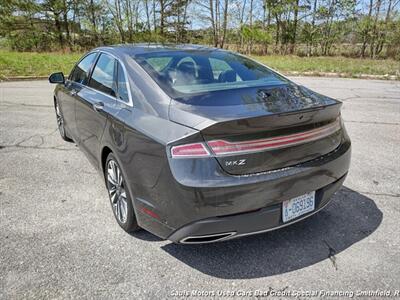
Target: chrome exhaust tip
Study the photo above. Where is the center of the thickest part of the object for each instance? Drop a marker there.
(204, 239)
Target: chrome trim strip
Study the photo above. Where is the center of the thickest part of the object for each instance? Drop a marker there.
(130, 103)
(228, 234)
(128, 86)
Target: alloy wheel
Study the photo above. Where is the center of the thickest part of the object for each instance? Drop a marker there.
(116, 190)
(60, 120)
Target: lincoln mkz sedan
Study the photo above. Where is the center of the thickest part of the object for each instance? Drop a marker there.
(198, 144)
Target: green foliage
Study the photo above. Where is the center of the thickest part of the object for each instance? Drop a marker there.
(304, 27)
(255, 34)
(42, 64)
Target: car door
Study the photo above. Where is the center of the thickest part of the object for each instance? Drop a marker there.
(77, 80)
(94, 104)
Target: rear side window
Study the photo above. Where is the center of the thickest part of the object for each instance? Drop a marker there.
(221, 68)
(81, 71)
(103, 75)
(122, 85)
(159, 63)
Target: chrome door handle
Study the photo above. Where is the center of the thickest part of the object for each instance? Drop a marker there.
(73, 93)
(98, 106)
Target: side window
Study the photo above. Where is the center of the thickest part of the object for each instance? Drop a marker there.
(81, 71)
(188, 62)
(122, 85)
(222, 72)
(159, 63)
(103, 75)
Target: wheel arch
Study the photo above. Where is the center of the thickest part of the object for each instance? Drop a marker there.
(104, 154)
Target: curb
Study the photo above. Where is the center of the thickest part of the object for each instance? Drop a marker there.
(22, 78)
(288, 73)
(343, 75)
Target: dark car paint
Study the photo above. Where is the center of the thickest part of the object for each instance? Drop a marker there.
(185, 191)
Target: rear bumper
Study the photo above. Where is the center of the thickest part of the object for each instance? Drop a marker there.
(263, 220)
(201, 200)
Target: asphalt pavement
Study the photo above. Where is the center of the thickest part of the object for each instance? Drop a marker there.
(59, 238)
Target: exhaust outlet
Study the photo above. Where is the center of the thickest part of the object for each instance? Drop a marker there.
(204, 239)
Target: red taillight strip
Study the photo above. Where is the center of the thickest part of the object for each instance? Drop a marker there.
(190, 150)
(221, 147)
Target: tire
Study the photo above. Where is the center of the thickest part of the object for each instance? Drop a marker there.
(121, 205)
(60, 122)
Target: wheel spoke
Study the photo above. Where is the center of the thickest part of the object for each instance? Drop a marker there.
(118, 210)
(111, 173)
(113, 194)
(115, 171)
(116, 191)
(111, 180)
(123, 209)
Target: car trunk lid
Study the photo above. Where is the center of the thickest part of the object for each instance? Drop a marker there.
(263, 129)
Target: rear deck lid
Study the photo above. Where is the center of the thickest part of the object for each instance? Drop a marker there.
(260, 129)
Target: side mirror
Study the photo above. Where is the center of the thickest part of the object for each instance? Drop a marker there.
(57, 78)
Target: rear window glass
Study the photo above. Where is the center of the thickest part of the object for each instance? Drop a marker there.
(192, 72)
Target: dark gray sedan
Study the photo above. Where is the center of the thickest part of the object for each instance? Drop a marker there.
(198, 144)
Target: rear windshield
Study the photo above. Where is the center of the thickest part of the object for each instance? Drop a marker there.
(181, 73)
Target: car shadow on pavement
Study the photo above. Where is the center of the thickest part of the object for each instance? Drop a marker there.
(349, 218)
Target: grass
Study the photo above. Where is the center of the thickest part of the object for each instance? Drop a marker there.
(42, 64)
(352, 67)
(35, 64)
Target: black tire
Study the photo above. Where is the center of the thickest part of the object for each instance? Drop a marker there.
(122, 207)
(60, 122)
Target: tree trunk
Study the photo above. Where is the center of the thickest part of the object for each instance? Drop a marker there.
(59, 30)
(365, 34)
(225, 23)
(162, 16)
(314, 14)
(147, 9)
(294, 33)
(241, 24)
(375, 29)
(154, 16)
(66, 26)
(250, 42)
(215, 37)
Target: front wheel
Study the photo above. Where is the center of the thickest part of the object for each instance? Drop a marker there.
(120, 199)
(60, 122)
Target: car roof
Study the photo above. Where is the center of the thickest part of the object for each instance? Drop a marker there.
(141, 48)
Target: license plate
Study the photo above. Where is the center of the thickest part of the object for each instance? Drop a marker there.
(298, 206)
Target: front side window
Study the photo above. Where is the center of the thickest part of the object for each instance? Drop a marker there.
(195, 72)
(103, 75)
(122, 85)
(81, 71)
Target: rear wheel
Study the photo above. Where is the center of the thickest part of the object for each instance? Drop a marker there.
(60, 122)
(121, 201)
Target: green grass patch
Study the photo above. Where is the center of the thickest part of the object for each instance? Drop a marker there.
(350, 66)
(42, 64)
(35, 64)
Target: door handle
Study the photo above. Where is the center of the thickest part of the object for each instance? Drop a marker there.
(73, 92)
(98, 106)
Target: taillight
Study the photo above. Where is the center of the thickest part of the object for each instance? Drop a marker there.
(190, 150)
(221, 147)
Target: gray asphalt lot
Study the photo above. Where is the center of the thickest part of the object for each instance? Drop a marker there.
(59, 238)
